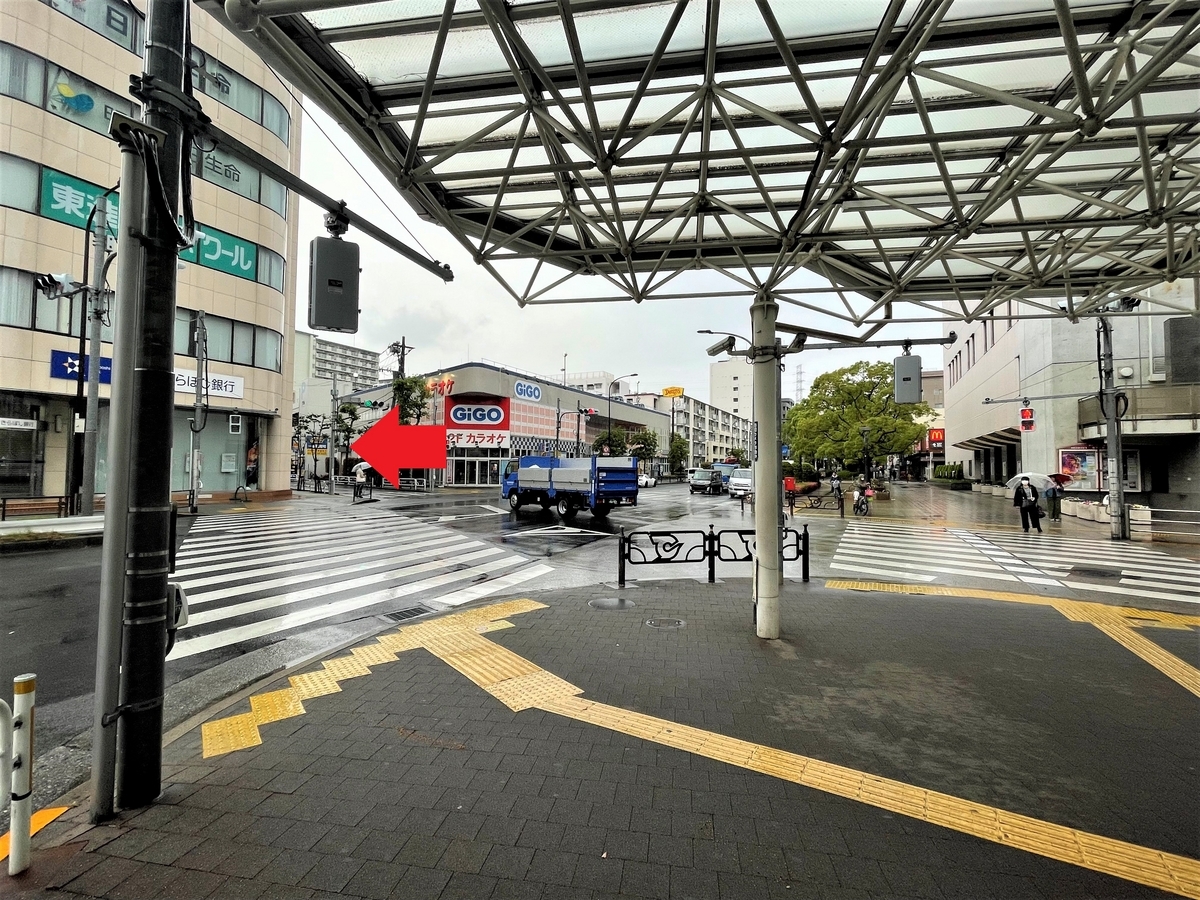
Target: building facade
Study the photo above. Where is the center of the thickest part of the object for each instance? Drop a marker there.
(352, 367)
(493, 413)
(731, 386)
(712, 433)
(1054, 365)
(64, 68)
(597, 382)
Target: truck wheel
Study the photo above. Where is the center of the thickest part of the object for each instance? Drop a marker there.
(546, 502)
(565, 509)
(601, 510)
(514, 501)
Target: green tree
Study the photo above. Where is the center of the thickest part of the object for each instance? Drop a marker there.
(643, 443)
(410, 395)
(617, 443)
(677, 454)
(829, 421)
(739, 455)
(347, 428)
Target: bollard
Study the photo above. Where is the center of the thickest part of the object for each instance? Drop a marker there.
(621, 558)
(710, 541)
(804, 553)
(20, 770)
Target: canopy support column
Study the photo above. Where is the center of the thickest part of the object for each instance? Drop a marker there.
(764, 355)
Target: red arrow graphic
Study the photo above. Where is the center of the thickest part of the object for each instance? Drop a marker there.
(389, 447)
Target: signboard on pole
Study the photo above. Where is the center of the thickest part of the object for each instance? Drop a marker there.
(672, 392)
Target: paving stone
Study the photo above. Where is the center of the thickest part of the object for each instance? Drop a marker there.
(330, 873)
(420, 882)
(422, 851)
(507, 862)
(465, 856)
(287, 867)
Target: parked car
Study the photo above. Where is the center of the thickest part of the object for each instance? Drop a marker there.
(741, 483)
(647, 480)
(705, 481)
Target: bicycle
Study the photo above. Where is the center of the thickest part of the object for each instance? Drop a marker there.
(862, 505)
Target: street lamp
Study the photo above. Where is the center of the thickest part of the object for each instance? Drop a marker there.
(610, 389)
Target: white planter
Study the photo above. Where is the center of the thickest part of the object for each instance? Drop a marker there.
(1102, 514)
(1070, 508)
(999, 490)
(975, 487)
(1139, 515)
(1087, 512)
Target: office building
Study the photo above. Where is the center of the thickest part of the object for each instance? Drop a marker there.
(712, 433)
(64, 68)
(1053, 364)
(731, 386)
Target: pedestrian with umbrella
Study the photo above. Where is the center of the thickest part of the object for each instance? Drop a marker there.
(1054, 495)
(1025, 498)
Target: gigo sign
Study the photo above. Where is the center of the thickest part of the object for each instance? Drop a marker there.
(527, 391)
(472, 416)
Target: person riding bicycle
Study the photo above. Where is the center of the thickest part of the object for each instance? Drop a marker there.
(862, 490)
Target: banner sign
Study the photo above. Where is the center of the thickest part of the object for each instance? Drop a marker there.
(218, 385)
(672, 392)
(64, 364)
(19, 424)
(216, 249)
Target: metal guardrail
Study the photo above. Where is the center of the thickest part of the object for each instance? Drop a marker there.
(648, 548)
(33, 506)
(1164, 524)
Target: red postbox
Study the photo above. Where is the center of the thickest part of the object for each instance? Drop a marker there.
(789, 483)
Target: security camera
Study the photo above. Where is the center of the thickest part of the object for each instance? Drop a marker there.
(797, 343)
(723, 346)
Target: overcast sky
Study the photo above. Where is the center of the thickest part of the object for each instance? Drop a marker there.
(473, 317)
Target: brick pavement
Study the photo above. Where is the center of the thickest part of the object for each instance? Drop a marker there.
(414, 782)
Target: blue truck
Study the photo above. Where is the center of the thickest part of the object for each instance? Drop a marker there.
(596, 483)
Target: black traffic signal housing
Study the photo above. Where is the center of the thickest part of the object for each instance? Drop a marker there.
(1028, 419)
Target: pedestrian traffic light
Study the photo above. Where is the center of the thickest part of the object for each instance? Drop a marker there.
(589, 412)
(1028, 420)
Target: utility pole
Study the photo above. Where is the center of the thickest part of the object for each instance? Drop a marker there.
(764, 355)
(91, 421)
(400, 349)
(557, 424)
(1109, 400)
(333, 422)
(197, 424)
(138, 514)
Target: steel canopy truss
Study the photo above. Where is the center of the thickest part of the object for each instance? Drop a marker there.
(869, 162)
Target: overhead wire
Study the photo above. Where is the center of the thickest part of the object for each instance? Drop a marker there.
(353, 167)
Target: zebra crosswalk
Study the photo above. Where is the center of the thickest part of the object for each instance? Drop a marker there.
(257, 577)
(926, 554)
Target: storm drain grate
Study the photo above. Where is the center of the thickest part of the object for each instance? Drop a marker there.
(611, 603)
(665, 623)
(1094, 573)
(412, 612)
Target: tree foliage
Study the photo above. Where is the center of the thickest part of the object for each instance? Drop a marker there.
(739, 456)
(828, 422)
(617, 443)
(410, 395)
(643, 443)
(677, 454)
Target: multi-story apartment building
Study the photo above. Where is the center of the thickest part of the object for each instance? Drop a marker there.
(1053, 363)
(730, 386)
(353, 367)
(712, 433)
(597, 383)
(64, 68)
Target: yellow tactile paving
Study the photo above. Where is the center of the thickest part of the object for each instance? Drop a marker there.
(37, 822)
(520, 684)
(1118, 622)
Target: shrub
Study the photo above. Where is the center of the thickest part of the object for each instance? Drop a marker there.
(808, 473)
(807, 487)
(847, 475)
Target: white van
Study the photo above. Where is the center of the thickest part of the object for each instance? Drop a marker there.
(741, 483)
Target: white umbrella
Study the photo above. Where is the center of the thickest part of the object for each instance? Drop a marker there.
(360, 465)
(1040, 482)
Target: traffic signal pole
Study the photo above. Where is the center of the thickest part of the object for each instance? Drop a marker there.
(1109, 399)
(95, 314)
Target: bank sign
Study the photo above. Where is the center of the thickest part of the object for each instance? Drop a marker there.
(487, 415)
(64, 364)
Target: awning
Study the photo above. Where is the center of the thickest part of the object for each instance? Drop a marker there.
(1002, 438)
(867, 162)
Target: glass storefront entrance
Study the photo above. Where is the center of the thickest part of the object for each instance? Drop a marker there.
(471, 466)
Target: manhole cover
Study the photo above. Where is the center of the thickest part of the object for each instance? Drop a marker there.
(611, 603)
(1094, 573)
(665, 623)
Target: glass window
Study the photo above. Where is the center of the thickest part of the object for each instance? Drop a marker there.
(227, 86)
(184, 332)
(270, 268)
(22, 75)
(56, 314)
(227, 171)
(275, 118)
(273, 195)
(117, 21)
(18, 183)
(220, 338)
(75, 98)
(16, 297)
(243, 343)
(266, 349)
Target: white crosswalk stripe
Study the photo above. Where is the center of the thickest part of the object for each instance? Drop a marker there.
(894, 551)
(253, 578)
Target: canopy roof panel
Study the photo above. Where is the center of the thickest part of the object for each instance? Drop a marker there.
(873, 161)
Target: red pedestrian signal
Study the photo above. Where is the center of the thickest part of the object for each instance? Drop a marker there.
(589, 412)
(1028, 419)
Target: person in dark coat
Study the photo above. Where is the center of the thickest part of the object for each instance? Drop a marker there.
(1025, 498)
